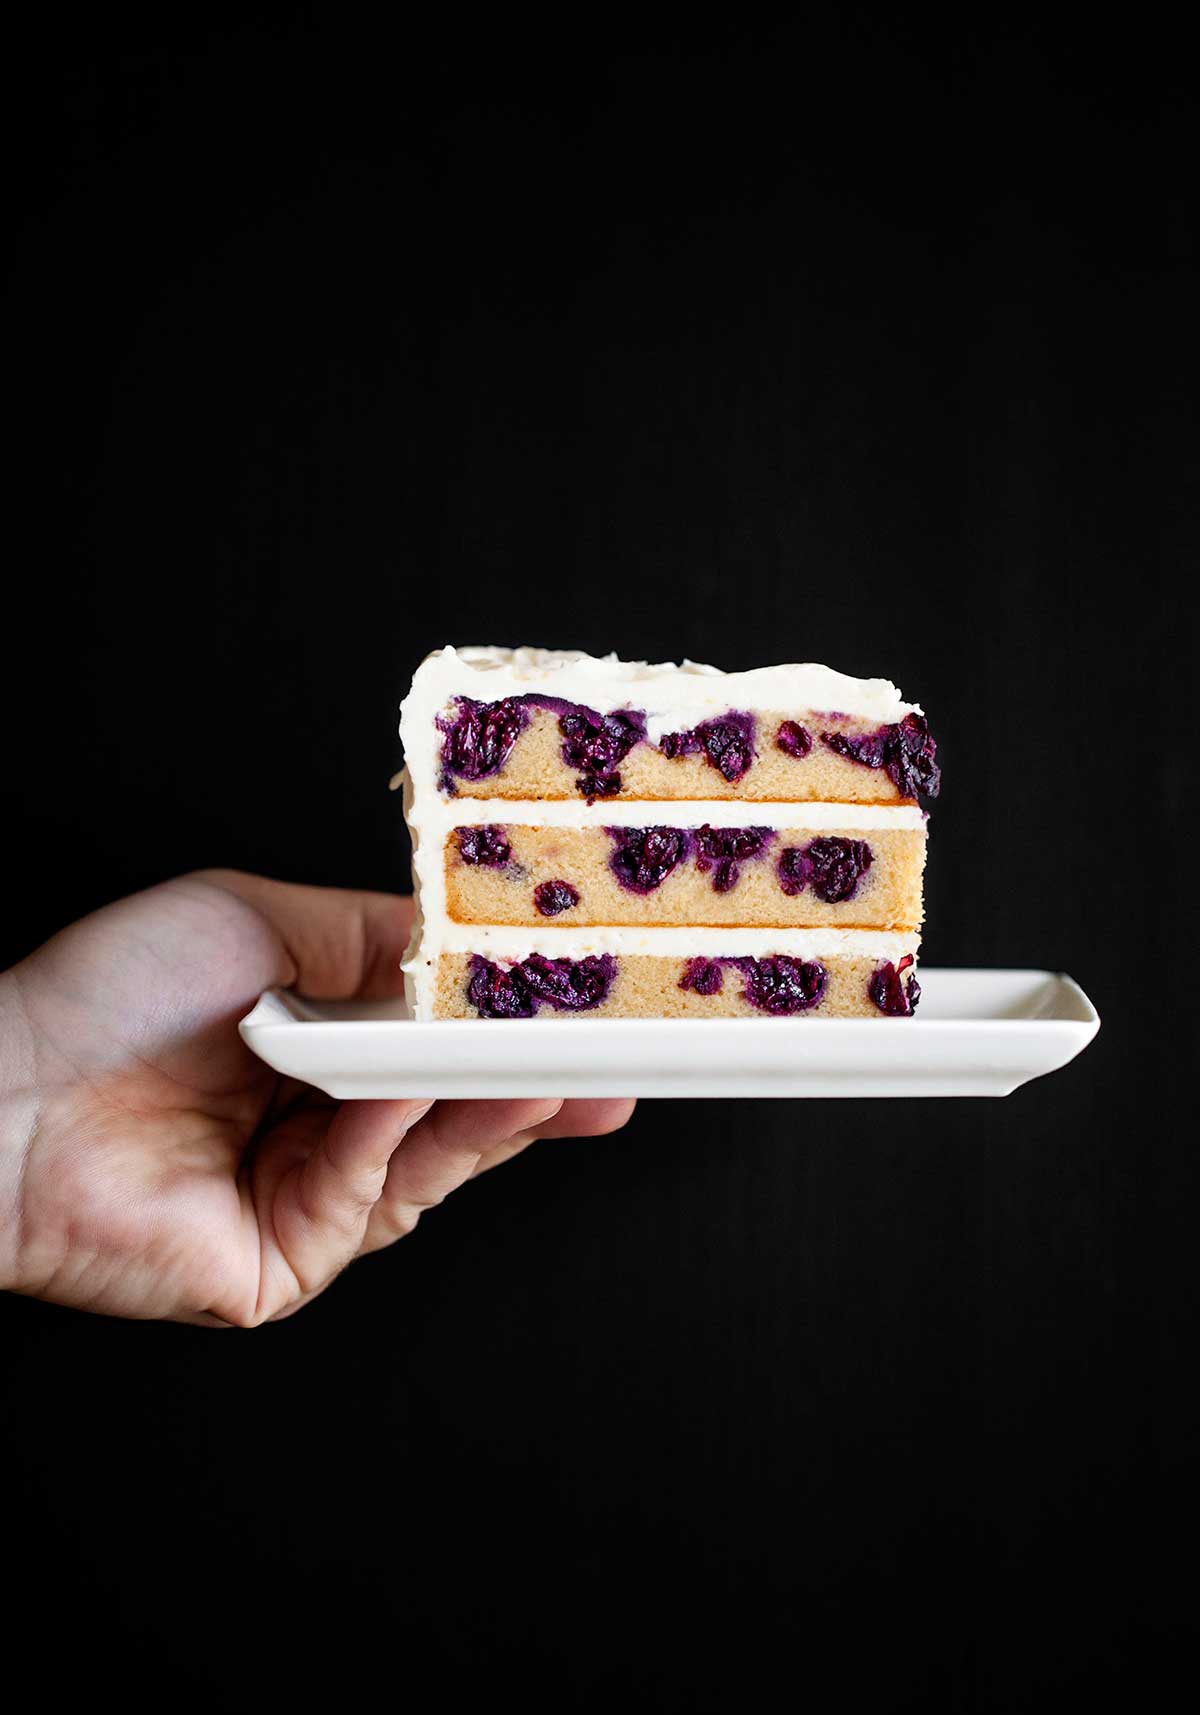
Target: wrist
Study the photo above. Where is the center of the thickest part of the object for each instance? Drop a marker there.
(18, 1121)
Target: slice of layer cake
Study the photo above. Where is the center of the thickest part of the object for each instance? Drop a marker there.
(618, 839)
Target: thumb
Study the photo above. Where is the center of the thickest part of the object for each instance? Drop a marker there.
(340, 943)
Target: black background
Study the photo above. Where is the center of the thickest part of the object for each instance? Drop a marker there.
(326, 347)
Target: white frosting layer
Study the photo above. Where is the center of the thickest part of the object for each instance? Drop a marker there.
(677, 941)
(438, 813)
(672, 696)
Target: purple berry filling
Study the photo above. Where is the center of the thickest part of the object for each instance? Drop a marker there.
(645, 857)
(838, 865)
(478, 740)
(793, 739)
(597, 743)
(487, 845)
(894, 996)
(673, 744)
(723, 849)
(568, 985)
(907, 751)
(782, 986)
(553, 897)
(704, 976)
(832, 865)
(777, 984)
(495, 993)
(727, 744)
(793, 870)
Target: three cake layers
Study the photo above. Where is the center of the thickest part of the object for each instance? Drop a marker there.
(607, 838)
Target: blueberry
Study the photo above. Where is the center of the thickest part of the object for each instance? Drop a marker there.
(723, 849)
(793, 870)
(645, 857)
(673, 744)
(836, 866)
(478, 740)
(703, 976)
(569, 985)
(727, 743)
(488, 845)
(867, 748)
(912, 761)
(907, 751)
(495, 993)
(595, 786)
(782, 986)
(793, 739)
(595, 744)
(553, 897)
(891, 994)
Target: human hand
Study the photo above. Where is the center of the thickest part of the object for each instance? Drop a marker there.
(152, 1166)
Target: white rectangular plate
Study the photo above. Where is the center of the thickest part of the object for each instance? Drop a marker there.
(978, 1033)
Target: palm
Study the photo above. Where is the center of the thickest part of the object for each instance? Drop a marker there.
(168, 1171)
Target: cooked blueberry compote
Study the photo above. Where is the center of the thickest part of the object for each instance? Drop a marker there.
(722, 850)
(793, 739)
(488, 845)
(478, 740)
(704, 976)
(894, 995)
(554, 897)
(781, 985)
(727, 744)
(906, 750)
(645, 857)
(831, 865)
(567, 985)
